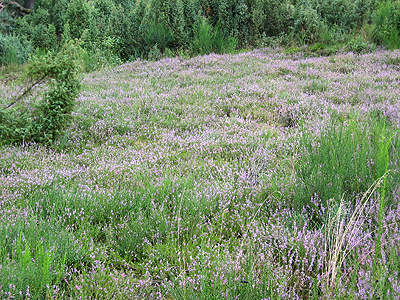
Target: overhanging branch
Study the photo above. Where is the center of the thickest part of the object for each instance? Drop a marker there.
(19, 7)
(27, 91)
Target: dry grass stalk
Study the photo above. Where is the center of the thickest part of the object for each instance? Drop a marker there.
(340, 230)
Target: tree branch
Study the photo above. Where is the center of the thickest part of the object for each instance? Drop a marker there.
(27, 91)
(4, 5)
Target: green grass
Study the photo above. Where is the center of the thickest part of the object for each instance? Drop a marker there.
(345, 159)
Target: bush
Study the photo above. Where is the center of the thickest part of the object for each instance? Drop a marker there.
(6, 22)
(308, 25)
(41, 16)
(101, 15)
(159, 35)
(120, 29)
(45, 37)
(278, 17)
(48, 12)
(209, 39)
(338, 13)
(203, 43)
(357, 45)
(387, 24)
(147, 28)
(79, 17)
(14, 50)
(241, 26)
(179, 25)
(57, 12)
(43, 122)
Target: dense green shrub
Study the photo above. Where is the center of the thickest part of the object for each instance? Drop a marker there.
(159, 35)
(44, 37)
(209, 39)
(103, 8)
(278, 17)
(203, 43)
(40, 17)
(58, 9)
(101, 14)
(14, 49)
(179, 25)
(122, 30)
(308, 25)
(337, 13)
(363, 9)
(357, 44)
(387, 24)
(44, 121)
(43, 27)
(6, 22)
(49, 12)
(234, 19)
(79, 16)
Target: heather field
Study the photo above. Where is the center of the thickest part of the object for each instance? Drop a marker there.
(258, 175)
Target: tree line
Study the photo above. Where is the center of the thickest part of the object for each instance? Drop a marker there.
(114, 31)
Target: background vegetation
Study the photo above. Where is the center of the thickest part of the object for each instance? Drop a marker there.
(113, 31)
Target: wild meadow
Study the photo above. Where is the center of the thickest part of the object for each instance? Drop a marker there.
(258, 175)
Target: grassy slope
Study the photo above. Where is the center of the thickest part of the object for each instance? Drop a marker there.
(193, 171)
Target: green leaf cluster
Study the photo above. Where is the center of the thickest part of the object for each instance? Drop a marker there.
(387, 24)
(42, 121)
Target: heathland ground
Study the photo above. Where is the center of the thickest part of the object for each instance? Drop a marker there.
(257, 175)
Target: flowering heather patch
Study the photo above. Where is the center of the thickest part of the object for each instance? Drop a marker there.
(258, 175)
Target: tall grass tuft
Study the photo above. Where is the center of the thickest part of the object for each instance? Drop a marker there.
(345, 159)
(341, 231)
(34, 255)
(209, 39)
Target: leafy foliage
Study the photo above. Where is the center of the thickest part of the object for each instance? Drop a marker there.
(6, 22)
(114, 31)
(387, 24)
(13, 50)
(209, 39)
(43, 122)
(78, 16)
(308, 24)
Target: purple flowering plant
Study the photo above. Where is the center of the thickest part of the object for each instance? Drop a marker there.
(259, 175)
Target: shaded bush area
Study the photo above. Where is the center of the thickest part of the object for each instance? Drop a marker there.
(14, 50)
(387, 24)
(112, 31)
